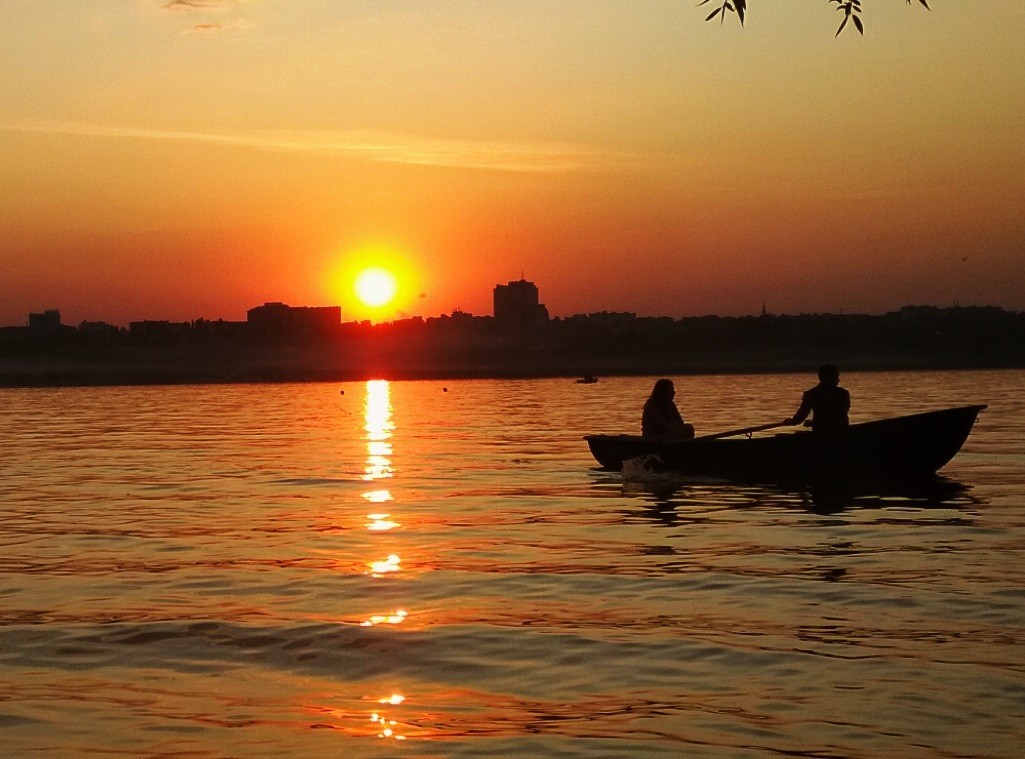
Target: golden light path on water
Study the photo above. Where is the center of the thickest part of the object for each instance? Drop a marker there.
(379, 427)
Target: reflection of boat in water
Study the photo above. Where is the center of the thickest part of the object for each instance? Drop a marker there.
(587, 379)
(901, 448)
(672, 500)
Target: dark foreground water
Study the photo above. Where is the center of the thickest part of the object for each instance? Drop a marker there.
(405, 571)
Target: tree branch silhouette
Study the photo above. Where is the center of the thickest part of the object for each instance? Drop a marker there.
(851, 11)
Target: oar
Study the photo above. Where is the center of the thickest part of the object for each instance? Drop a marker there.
(743, 431)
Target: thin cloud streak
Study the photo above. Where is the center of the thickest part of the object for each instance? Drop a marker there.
(211, 28)
(210, 9)
(384, 148)
(194, 5)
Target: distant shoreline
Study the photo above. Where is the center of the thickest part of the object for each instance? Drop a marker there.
(467, 347)
(47, 374)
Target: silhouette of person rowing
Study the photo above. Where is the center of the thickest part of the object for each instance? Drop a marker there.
(827, 402)
(660, 419)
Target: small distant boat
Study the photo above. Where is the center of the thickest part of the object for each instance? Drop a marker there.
(587, 379)
(898, 449)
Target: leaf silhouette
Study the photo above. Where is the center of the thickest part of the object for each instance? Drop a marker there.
(851, 10)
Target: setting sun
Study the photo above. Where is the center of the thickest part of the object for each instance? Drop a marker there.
(376, 287)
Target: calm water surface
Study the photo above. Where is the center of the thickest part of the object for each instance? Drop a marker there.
(428, 569)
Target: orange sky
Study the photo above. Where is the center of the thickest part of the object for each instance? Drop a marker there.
(174, 160)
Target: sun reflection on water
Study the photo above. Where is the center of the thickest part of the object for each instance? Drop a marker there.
(378, 426)
(385, 566)
(381, 523)
(396, 618)
(388, 728)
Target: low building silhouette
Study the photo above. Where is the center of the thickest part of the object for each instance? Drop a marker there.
(158, 331)
(279, 319)
(98, 332)
(46, 323)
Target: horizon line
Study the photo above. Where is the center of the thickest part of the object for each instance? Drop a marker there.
(633, 314)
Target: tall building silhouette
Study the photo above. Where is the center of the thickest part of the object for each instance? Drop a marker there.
(518, 306)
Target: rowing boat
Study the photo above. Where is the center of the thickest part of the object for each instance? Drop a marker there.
(899, 448)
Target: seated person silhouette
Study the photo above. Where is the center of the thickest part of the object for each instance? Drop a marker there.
(661, 419)
(827, 402)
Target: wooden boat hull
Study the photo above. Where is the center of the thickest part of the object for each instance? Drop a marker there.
(901, 448)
